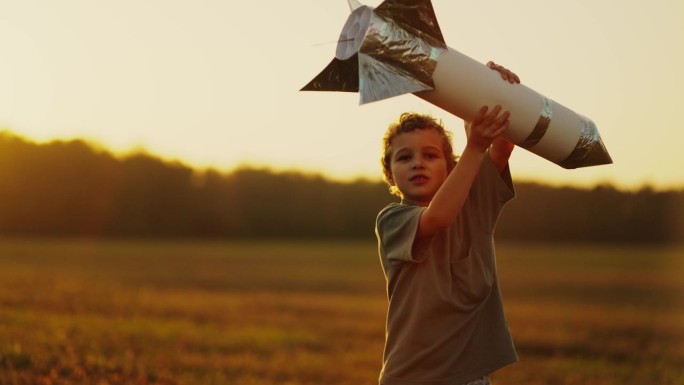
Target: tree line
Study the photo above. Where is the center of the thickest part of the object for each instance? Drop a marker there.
(70, 188)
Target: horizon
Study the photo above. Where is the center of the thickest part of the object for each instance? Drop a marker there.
(136, 151)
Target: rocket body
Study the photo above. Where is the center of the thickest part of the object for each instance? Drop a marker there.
(398, 48)
(538, 124)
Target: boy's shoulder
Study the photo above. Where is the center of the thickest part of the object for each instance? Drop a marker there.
(395, 211)
(395, 207)
(390, 206)
(385, 210)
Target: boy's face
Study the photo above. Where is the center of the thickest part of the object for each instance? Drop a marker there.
(418, 165)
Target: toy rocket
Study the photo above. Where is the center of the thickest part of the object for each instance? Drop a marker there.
(398, 48)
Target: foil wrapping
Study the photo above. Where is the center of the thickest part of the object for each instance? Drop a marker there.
(542, 125)
(393, 62)
(397, 55)
(590, 150)
(395, 49)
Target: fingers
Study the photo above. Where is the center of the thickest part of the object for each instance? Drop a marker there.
(498, 124)
(493, 114)
(487, 125)
(501, 125)
(488, 122)
(479, 117)
(490, 118)
(483, 113)
(505, 73)
(484, 117)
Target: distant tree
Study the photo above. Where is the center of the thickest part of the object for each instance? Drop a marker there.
(69, 188)
(59, 188)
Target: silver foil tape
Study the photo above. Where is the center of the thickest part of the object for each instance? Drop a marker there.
(386, 52)
(393, 62)
(394, 49)
(589, 150)
(542, 125)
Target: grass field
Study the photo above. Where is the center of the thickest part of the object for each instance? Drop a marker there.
(264, 313)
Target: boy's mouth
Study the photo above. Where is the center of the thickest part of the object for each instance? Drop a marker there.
(418, 178)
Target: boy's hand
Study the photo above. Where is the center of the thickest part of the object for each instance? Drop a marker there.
(506, 74)
(485, 127)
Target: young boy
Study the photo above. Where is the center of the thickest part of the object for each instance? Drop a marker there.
(445, 322)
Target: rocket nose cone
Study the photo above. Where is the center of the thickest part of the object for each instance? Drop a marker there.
(597, 156)
(592, 154)
(589, 150)
(353, 33)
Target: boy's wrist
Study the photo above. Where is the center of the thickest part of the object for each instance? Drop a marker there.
(473, 153)
(476, 147)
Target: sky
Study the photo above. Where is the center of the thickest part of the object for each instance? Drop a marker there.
(216, 83)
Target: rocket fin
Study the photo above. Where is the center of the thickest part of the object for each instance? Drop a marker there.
(415, 16)
(379, 81)
(339, 75)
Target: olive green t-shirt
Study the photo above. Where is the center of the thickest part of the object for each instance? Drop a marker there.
(445, 323)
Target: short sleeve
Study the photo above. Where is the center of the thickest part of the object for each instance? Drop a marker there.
(396, 228)
(490, 192)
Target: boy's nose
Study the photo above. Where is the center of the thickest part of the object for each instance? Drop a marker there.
(417, 165)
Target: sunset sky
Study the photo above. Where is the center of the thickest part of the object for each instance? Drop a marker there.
(215, 83)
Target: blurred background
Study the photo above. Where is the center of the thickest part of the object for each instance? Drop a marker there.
(174, 211)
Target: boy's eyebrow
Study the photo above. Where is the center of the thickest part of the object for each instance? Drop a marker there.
(432, 148)
(405, 149)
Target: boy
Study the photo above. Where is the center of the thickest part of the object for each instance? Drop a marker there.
(445, 322)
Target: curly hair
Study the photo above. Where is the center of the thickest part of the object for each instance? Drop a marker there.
(408, 122)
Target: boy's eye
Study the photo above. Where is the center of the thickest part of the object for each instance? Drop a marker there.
(403, 157)
(431, 156)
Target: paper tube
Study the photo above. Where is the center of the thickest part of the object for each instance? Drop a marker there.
(398, 48)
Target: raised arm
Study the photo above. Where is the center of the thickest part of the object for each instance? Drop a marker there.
(482, 133)
(500, 152)
(449, 199)
(501, 149)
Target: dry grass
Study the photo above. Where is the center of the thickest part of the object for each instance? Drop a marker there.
(117, 312)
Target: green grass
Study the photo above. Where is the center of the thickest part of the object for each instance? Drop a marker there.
(128, 312)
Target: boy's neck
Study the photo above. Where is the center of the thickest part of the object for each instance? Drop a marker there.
(410, 202)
